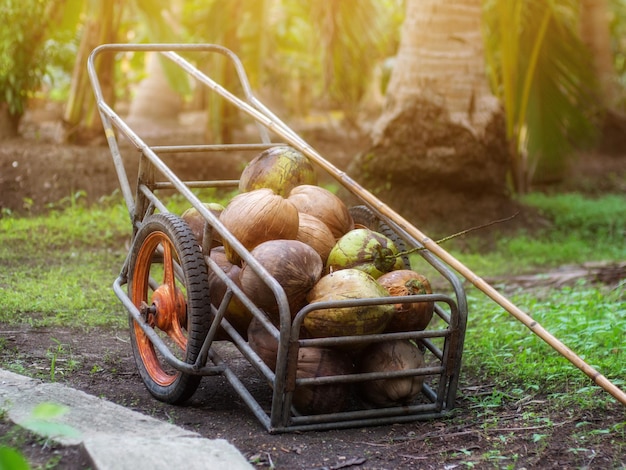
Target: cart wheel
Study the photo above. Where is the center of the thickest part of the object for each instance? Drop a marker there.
(362, 215)
(168, 283)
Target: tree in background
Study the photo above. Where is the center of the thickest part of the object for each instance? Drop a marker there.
(100, 24)
(110, 21)
(300, 53)
(35, 34)
(297, 53)
(442, 132)
(596, 35)
(607, 49)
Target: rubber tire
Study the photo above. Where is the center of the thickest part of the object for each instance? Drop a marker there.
(363, 215)
(196, 283)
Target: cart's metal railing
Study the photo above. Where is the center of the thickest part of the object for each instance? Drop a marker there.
(281, 416)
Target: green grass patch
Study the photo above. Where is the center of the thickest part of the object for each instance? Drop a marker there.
(589, 320)
(59, 267)
(578, 229)
(602, 218)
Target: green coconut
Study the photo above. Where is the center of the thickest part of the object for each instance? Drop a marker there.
(279, 169)
(343, 321)
(365, 250)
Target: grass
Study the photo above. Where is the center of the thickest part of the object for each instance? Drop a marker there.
(578, 229)
(59, 267)
(588, 319)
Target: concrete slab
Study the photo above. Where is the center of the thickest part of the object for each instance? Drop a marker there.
(115, 437)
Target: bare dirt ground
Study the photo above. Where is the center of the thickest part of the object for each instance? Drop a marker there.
(500, 436)
(36, 173)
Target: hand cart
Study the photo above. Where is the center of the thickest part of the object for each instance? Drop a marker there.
(163, 284)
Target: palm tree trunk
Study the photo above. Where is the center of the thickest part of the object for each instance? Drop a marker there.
(99, 28)
(442, 132)
(441, 52)
(595, 33)
(9, 123)
(155, 101)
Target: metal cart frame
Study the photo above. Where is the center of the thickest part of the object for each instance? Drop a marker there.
(443, 344)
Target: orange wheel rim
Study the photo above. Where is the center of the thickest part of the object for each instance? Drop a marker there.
(168, 302)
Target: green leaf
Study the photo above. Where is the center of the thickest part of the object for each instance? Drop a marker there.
(11, 459)
(42, 419)
(47, 411)
(542, 72)
(51, 429)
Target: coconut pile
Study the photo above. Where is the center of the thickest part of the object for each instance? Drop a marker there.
(307, 240)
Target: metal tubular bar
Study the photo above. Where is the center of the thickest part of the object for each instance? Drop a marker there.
(349, 340)
(152, 198)
(377, 413)
(250, 354)
(199, 184)
(438, 353)
(211, 148)
(118, 162)
(442, 314)
(241, 390)
(429, 392)
(419, 415)
(352, 378)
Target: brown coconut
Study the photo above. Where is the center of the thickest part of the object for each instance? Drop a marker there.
(237, 314)
(312, 362)
(321, 362)
(293, 264)
(413, 316)
(263, 343)
(316, 234)
(393, 355)
(196, 222)
(257, 216)
(326, 206)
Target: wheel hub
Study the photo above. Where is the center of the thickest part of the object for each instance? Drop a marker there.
(169, 307)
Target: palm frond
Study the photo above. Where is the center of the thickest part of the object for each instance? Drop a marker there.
(541, 71)
(355, 34)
